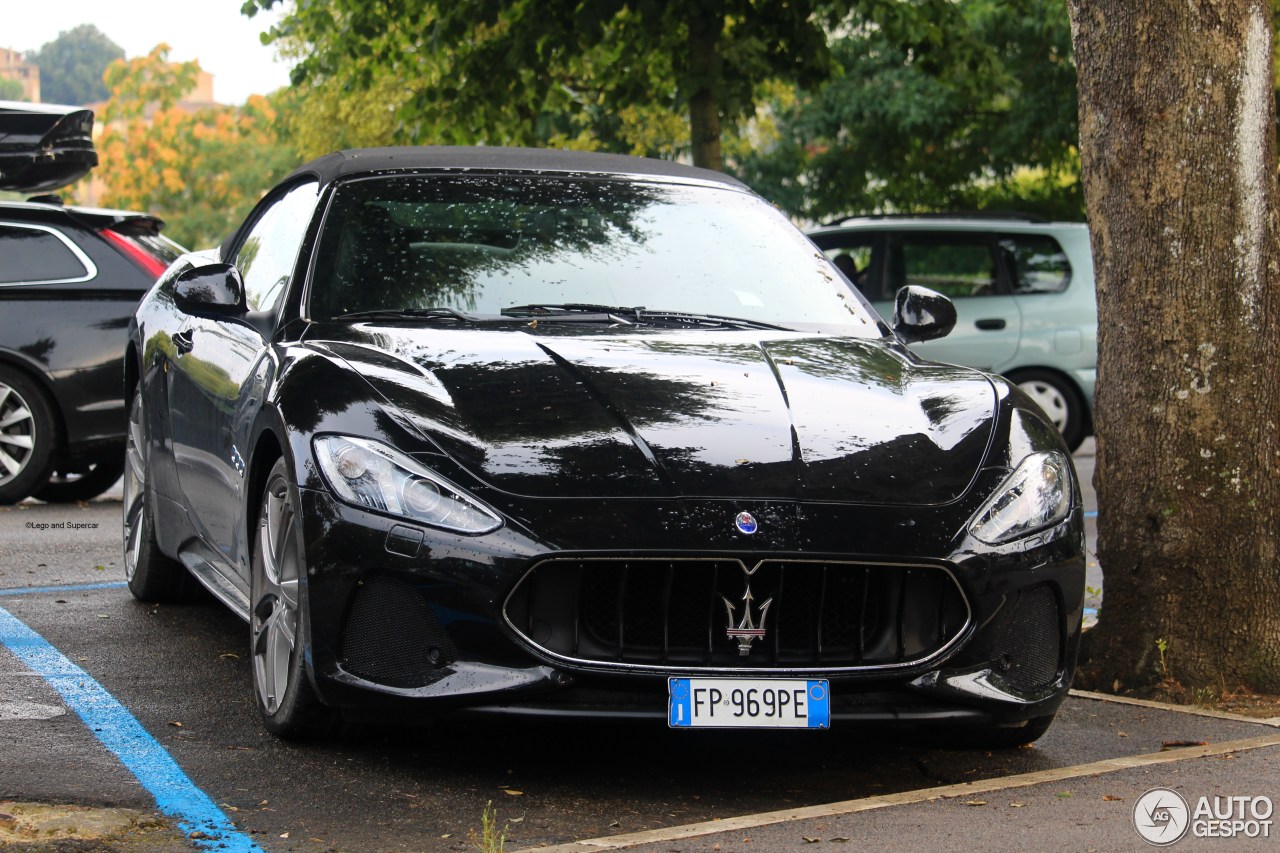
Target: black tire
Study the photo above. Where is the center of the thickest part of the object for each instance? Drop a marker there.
(993, 737)
(28, 436)
(1059, 399)
(278, 628)
(69, 487)
(151, 574)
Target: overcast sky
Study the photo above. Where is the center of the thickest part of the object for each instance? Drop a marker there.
(213, 32)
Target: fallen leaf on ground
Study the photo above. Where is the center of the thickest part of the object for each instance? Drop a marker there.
(975, 802)
(1111, 799)
(1017, 805)
(808, 840)
(1175, 744)
(511, 792)
(1064, 795)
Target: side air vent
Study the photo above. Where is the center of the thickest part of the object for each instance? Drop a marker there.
(391, 636)
(1028, 654)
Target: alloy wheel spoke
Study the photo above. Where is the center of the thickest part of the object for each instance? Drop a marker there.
(24, 441)
(8, 464)
(17, 416)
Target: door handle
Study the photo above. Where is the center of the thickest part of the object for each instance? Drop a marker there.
(993, 324)
(184, 341)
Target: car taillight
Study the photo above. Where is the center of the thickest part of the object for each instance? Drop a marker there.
(147, 262)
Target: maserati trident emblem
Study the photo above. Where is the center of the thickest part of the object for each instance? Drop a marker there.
(747, 630)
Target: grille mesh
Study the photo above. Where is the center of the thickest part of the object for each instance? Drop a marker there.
(665, 612)
(391, 634)
(1031, 645)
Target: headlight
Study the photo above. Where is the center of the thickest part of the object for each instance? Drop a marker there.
(1037, 494)
(371, 475)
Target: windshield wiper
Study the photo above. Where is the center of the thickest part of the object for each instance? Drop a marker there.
(414, 314)
(579, 311)
(636, 314)
(679, 318)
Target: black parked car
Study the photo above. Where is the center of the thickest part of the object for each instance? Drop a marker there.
(519, 432)
(70, 278)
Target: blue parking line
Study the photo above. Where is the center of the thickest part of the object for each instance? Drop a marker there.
(142, 755)
(75, 587)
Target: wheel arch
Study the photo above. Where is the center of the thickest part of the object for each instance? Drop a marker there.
(267, 448)
(132, 369)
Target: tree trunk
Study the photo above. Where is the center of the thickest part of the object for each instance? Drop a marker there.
(1177, 139)
(705, 68)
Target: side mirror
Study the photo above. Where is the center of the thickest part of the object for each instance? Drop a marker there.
(921, 314)
(213, 289)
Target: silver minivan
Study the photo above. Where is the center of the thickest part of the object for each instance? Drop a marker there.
(1022, 287)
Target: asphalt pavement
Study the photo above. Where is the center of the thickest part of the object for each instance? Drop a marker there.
(174, 685)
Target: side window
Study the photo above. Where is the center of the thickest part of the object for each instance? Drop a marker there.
(267, 256)
(1036, 263)
(30, 254)
(955, 265)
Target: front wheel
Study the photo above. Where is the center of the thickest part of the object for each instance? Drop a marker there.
(277, 623)
(27, 436)
(1060, 401)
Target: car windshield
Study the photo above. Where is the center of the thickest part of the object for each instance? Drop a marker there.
(541, 246)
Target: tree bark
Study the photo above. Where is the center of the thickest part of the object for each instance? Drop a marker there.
(705, 68)
(1177, 141)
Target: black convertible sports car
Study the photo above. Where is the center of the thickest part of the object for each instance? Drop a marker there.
(532, 432)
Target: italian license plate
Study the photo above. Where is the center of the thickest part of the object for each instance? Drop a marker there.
(756, 703)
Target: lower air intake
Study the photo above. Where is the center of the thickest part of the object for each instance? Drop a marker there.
(391, 636)
(1029, 652)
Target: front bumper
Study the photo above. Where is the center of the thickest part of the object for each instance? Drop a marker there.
(409, 623)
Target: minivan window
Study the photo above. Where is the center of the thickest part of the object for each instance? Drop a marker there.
(955, 265)
(1036, 263)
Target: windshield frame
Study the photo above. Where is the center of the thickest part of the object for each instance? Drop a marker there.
(864, 321)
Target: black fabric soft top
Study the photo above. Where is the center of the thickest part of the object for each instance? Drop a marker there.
(492, 159)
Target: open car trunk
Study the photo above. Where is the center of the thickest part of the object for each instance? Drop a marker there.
(44, 146)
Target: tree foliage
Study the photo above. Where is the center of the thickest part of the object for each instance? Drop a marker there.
(10, 90)
(200, 171)
(973, 106)
(71, 66)
(603, 73)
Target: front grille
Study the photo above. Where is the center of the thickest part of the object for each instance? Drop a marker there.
(678, 613)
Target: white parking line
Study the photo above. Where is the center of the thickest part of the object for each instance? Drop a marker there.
(922, 795)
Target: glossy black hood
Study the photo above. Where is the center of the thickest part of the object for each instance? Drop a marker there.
(584, 412)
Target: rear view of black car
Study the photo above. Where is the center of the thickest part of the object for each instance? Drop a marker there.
(509, 432)
(70, 278)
